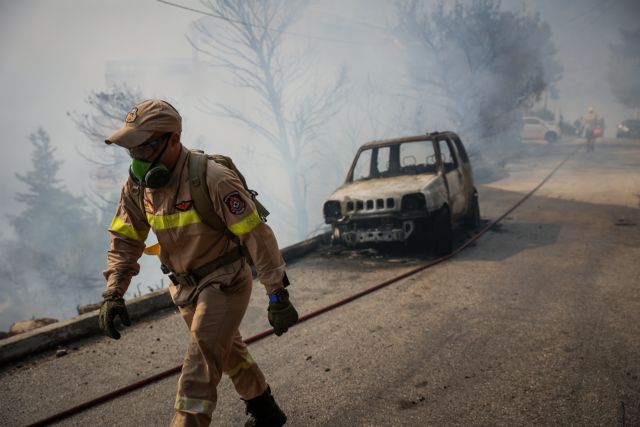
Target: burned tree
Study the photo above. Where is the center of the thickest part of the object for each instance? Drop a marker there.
(478, 64)
(624, 72)
(108, 110)
(247, 40)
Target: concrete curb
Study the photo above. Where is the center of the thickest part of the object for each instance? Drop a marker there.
(65, 331)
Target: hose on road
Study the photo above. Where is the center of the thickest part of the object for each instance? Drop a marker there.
(161, 375)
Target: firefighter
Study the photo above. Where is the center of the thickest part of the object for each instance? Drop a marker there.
(589, 124)
(210, 276)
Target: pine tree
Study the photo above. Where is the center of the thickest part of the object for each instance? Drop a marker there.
(59, 251)
(42, 183)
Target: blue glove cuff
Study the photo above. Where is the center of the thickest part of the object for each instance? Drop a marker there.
(281, 295)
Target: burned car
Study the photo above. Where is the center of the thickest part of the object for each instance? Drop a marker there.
(410, 189)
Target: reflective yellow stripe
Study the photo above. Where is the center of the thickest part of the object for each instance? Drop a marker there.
(246, 225)
(180, 219)
(119, 226)
(247, 362)
(194, 406)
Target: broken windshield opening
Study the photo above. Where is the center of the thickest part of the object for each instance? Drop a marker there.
(407, 158)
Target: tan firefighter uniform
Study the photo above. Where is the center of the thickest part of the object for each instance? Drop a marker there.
(590, 120)
(187, 244)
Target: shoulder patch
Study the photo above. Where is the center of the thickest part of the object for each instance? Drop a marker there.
(235, 203)
(132, 115)
(184, 206)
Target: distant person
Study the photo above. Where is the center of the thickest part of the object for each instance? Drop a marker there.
(577, 126)
(589, 125)
(209, 267)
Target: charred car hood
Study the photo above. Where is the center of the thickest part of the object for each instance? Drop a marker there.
(382, 187)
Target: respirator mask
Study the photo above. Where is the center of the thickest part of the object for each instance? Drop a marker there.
(150, 174)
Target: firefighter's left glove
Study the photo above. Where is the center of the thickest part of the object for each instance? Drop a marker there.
(112, 306)
(281, 313)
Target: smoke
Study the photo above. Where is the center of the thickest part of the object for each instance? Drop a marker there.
(584, 31)
(47, 71)
(483, 64)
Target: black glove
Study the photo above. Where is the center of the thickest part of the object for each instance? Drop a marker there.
(281, 313)
(112, 306)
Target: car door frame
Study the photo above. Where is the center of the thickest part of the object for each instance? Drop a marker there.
(467, 171)
(533, 131)
(453, 179)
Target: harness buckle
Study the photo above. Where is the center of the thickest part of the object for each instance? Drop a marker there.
(185, 279)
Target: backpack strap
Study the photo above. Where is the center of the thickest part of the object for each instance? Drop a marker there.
(202, 200)
(228, 163)
(200, 193)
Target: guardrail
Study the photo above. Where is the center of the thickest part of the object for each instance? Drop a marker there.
(85, 325)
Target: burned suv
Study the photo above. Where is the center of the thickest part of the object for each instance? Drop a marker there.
(410, 189)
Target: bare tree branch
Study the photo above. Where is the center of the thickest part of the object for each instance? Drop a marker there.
(249, 45)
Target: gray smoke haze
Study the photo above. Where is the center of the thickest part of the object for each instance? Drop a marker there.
(55, 55)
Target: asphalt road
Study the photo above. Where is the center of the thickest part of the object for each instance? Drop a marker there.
(537, 324)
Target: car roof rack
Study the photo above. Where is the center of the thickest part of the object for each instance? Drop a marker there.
(422, 136)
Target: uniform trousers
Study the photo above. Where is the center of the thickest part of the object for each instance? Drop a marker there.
(215, 347)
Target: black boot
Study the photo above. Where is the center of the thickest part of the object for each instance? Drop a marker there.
(264, 411)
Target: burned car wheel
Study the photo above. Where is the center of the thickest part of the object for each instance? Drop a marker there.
(441, 234)
(472, 218)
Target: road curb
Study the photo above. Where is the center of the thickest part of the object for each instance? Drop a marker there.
(65, 331)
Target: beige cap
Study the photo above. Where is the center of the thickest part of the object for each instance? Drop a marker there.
(146, 118)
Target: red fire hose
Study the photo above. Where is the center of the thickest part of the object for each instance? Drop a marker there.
(142, 383)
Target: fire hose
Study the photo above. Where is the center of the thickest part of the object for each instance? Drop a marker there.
(164, 374)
